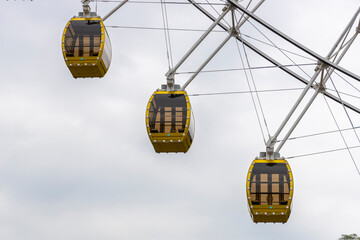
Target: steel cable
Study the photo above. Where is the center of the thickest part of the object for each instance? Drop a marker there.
(342, 136)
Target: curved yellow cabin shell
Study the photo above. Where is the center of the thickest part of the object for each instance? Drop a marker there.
(87, 64)
(269, 194)
(168, 128)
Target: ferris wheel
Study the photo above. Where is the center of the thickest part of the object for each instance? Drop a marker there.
(169, 117)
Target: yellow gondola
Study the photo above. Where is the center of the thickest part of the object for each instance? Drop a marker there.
(269, 191)
(86, 47)
(169, 121)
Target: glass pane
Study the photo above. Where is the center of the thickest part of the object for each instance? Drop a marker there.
(191, 126)
(253, 188)
(275, 199)
(264, 188)
(269, 182)
(264, 177)
(83, 38)
(285, 178)
(275, 177)
(286, 188)
(107, 54)
(275, 188)
(286, 197)
(167, 113)
(255, 199)
(264, 199)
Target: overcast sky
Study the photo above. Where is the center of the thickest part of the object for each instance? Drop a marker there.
(76, 162)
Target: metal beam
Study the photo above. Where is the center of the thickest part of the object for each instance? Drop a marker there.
(207, 60)
(171, 72)
(273, 61)
(115, 9)
(232, 32)
(323, 81)
(295, 43)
